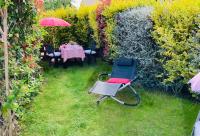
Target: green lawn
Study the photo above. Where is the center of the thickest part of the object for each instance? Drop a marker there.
(64, 108)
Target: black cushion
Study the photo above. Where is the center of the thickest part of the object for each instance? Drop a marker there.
(124, 62)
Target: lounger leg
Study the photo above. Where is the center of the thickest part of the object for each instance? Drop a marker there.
(101, 99)
(121, 102)
(132, 89)
(137, 97)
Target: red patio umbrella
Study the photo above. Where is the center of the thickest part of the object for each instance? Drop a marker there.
(54, 22)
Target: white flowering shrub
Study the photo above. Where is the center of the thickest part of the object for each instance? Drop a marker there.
(133, 39)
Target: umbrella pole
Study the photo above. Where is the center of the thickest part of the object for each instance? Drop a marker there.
(53, 37)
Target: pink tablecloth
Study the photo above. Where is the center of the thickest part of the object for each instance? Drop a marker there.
(71, 51)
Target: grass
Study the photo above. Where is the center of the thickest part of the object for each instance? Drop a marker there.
(64, 108)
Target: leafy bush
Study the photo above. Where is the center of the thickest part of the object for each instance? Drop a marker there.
(54, 4)
(101, 25)
(80, 25)
(133, 39)
(109, 16)
(24, 42)
(94, 26)
(177, 33)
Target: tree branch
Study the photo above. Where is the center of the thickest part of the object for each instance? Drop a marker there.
(2, 15)
(1, 31)
(11, 25)
(1, 11)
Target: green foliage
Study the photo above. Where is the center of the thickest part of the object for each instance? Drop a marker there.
(94, 26)
(176, 31)
(24, 42)
(5, 3)
(109, 15)
(55, 4)
(78, 32)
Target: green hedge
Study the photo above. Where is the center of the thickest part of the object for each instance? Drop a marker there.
(177, 32)
(110, 13)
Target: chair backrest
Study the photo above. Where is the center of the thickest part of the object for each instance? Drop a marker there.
(124, 68)
(49, 49)
(92, 45)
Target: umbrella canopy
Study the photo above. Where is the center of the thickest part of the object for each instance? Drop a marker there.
(195, 83)
(54, 22)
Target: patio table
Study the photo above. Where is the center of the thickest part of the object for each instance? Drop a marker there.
(71, 51)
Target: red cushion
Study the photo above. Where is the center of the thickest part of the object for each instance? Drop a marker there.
(118, 80)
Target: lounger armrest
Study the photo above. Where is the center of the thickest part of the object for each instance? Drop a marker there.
(136, 78)
(103, 75)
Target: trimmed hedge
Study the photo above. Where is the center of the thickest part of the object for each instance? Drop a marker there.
(109, 15)
(177, 32)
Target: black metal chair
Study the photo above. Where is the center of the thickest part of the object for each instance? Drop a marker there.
(42, 52)
(122, 76)
(51, 53)
(90, 53)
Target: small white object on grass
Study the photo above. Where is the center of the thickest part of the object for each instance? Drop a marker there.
(197, 129)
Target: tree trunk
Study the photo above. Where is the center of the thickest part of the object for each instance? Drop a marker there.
(5, 41)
